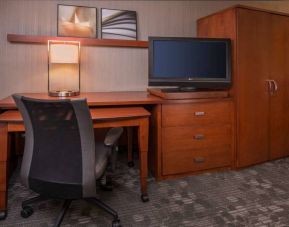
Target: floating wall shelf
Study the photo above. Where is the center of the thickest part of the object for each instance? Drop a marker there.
(36, 39)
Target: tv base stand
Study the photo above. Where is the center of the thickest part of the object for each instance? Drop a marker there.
(176, 93)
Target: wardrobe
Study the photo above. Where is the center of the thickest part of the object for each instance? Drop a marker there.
(260, 72)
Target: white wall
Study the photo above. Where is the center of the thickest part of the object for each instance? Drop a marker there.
(23, 67)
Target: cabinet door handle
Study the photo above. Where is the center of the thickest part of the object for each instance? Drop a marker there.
(199, 113)
(199, 159)
(275, 85)
(270, 86)
(199, 136)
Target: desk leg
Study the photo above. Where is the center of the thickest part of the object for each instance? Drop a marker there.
(129, 147)
(143, 132)
(3, 169)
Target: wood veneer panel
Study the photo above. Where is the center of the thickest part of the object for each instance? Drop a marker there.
(260, 53)
(187, 95)
(239, 6)
(196, 114)
(222, 25)
(184, 161)
(155, 142)
(17, 127)
(196, 136)
(279, 100)
(95, 98)
(97, 113)
(253, 96)
(35, 39)
(3, 176)
(119, 113)
(182, 138)
(3, 200)
(4, 141)
(11, 116)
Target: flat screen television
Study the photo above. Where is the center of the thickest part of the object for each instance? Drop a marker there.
(190, 63)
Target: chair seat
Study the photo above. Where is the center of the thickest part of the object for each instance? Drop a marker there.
(102, 154)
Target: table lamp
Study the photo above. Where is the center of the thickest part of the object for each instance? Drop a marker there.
(63, 68)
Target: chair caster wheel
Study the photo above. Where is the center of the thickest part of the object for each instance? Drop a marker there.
(26, 211)
(106, 187)
(145, 198)
(116, 223)
(3, 215)
(130, 164)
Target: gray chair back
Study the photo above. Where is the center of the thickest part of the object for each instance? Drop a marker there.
(59, 154)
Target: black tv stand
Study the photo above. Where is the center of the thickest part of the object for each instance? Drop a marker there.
(187, 89)
(179, 89)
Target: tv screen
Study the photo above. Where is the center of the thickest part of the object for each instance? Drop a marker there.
(189, 62)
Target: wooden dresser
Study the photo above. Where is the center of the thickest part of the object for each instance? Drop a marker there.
(193, 135)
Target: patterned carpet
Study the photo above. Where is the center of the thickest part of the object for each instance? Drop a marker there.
(256, 196)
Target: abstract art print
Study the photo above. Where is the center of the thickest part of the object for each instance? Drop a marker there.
(76, 21)
(118, 24)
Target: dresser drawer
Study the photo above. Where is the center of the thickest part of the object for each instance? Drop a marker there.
(196, 113)
(184, 138)
(184, 161)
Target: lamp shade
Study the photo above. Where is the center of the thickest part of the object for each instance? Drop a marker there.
(64, 53)
(63, 68)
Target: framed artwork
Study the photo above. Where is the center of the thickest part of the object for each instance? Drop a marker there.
(76, 21)
(118, 24)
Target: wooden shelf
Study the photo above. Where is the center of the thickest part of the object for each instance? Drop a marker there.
(36, 39)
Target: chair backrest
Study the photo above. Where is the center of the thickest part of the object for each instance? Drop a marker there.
(59, 155)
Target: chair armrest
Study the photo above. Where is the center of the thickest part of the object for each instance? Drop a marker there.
(112, 136)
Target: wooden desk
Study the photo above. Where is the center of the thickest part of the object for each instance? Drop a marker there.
(113, 115)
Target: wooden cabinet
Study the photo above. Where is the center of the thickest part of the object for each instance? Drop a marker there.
(260, 51)
(195, 136)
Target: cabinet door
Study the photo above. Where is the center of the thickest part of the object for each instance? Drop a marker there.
(279, 100)
(253, 64)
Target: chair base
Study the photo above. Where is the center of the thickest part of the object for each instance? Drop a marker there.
(63, 211)
(108, 209)
(27, 210)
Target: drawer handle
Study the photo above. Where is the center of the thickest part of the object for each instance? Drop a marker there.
(199, 159)
(199, 113)
(199, 137)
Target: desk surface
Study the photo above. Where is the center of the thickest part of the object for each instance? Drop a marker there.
(96, 98)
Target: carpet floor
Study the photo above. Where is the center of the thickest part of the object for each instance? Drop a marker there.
(255, 196)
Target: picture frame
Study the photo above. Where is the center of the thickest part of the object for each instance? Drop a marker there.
(76, 21)
(118, 24)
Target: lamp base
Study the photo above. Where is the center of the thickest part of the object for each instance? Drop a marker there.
(63, 93)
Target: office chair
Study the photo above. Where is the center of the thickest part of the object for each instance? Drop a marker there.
(61, 158)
